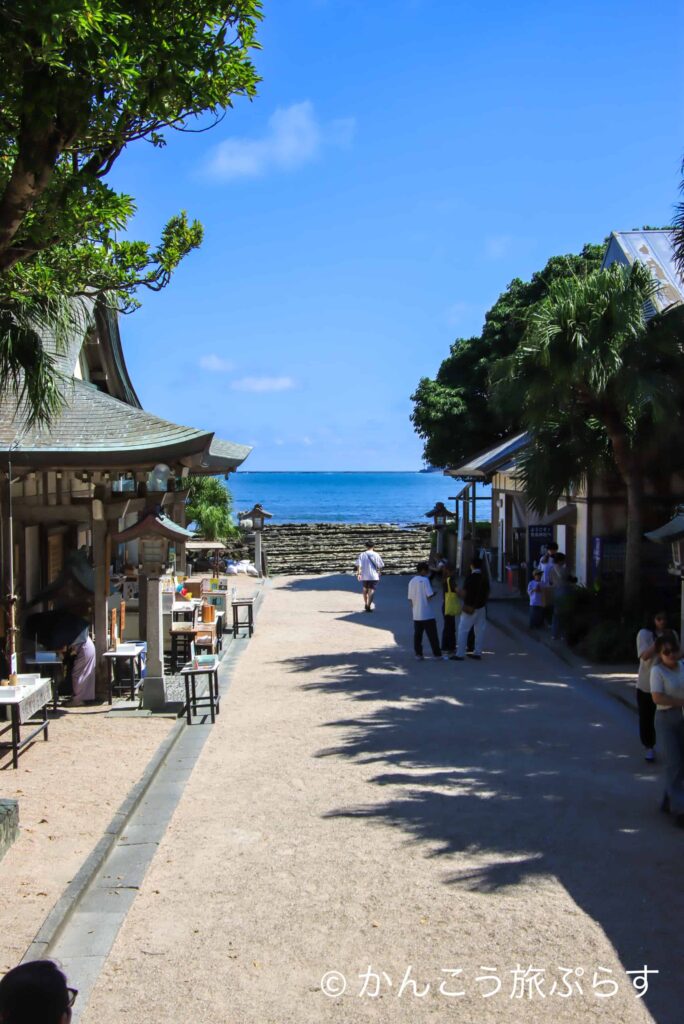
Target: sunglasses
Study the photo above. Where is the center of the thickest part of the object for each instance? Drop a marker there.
(71, 993)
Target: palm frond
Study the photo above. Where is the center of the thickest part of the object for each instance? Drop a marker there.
(33, 334)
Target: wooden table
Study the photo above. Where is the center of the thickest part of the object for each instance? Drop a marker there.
(24, 702)
(131, 652)
(236, 604)
(211, 698)
(186, 609)
(185, 632)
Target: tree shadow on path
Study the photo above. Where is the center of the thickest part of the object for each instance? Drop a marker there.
(514, 764)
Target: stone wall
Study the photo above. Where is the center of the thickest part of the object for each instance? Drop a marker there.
(305, 548)
(9, 824)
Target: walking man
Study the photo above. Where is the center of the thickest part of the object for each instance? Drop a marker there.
(421, 595)
(474, 615)
(368, 567)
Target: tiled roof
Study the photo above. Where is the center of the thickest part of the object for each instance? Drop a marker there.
(227, 450)
(94, 425)
(488, 462)
(95, 429)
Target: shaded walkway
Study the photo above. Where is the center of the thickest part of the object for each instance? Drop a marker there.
(355, 808)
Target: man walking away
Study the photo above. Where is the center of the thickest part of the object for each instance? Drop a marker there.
(474, 615)
(421, 595)
(368, 566)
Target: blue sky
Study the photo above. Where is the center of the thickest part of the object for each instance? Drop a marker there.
(404, 160)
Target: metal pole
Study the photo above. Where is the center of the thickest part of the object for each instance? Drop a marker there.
(11, 597)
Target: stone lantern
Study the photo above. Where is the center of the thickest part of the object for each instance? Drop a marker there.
(156, 532)
(255, 519)
(440, 515)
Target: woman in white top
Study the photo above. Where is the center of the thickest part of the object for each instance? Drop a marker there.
(667, 689)
(645, 644)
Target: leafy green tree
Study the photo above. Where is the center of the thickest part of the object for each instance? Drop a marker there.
(82, 80)
(209, 505)
(453, 413)
(602, 391)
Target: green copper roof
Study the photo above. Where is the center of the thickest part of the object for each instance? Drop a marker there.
(95, 429)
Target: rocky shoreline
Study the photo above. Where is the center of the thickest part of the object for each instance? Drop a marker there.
(307, 548)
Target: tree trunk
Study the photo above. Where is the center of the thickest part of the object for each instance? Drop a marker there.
(635, 501)
(633, 479)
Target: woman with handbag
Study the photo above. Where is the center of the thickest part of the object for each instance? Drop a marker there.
(452, 608)
(667, 689)
(646, 652)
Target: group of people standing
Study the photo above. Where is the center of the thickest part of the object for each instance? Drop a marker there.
(660, 701)
(550, 583)
(463, 608)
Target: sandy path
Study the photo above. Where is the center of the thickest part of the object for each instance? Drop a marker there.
(354, 808)
(68, 790)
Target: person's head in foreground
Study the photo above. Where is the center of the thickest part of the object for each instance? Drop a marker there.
(423, 569)
(36, 993)
(667, 647)
(476, 564)
(369, 544)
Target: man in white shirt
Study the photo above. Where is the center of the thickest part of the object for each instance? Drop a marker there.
(368, 566)
(546, 563)
(547, 566)
(421, 595)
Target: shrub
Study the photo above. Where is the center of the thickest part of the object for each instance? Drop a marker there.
(609, 642)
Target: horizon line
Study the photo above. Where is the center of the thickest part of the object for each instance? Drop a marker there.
(422, 472)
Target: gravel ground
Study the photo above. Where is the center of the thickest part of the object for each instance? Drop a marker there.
(68, 789)
(356, 811)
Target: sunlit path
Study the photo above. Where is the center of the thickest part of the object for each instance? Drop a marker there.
(352, 809)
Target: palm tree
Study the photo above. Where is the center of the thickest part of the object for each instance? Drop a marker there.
(602, 388)
(209, 505)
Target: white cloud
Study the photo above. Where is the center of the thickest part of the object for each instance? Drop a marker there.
(216, 364)
(294, 137)
(307, 441)
(262, 384)
(498, 246)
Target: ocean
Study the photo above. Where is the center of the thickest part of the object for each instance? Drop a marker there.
(398, 498)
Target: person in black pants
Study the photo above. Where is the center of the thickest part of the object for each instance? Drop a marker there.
(421, 596)
(646, 652)
(451, 608)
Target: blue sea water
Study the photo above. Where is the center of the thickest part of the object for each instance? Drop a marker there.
(348, 497)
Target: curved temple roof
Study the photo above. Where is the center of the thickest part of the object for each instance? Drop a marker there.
(97, 430)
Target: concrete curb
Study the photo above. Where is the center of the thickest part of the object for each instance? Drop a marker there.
(58, 917)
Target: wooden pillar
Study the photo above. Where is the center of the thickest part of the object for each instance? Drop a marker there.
(101, 569)
(258, 561)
